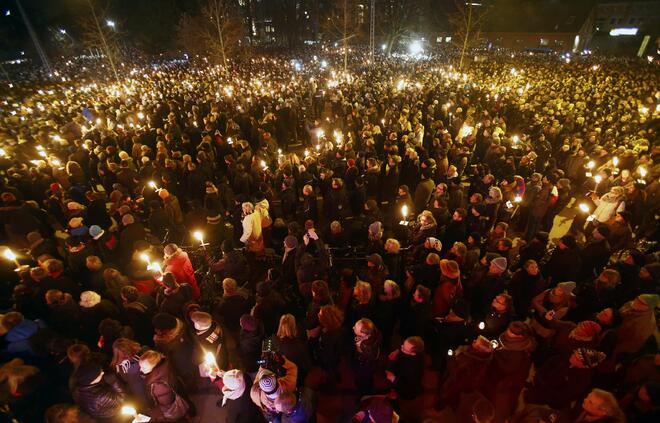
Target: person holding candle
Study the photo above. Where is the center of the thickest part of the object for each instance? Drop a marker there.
(168, 396)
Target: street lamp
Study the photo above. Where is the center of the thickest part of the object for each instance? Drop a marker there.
(415, 48)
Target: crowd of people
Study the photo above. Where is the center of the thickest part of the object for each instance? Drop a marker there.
(395, 241)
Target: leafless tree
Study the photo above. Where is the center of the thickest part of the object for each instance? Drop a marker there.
(96, 35)
(396, 20)
(345, 23)
(216, 30)
(467, 22)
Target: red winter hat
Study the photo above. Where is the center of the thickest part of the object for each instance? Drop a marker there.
(351, 162)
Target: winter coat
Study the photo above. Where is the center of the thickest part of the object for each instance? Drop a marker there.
(557, 384)
(128, 371)
(181, 267)
(408, 371)
(102, 400)
(163, 388)
(594, 257)
(213, 340)
(522, 288)
(173, 210)
(174, 302)
(286, 383)
(249, 349)
(242, 409)
(19, 340)
(229, 310)
(635, 330)
(607, 207)
(466, 372)
(563, 265)
(179, 350)
(423, 194)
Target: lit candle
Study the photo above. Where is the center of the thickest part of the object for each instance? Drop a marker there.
(584, 208)
(127, 410)
(9, 255)
(404, 211)
(482, 325)
(199, 236)
(642, 171)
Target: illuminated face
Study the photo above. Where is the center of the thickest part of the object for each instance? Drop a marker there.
(499, 304)
(532, 269)
(407, 348)
(605, 316)
(593, 405)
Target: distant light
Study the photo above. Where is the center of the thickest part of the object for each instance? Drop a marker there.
(415, 48)
(472, 4)
(383, 47)
(110, 23)
(7, 12)
(623, 31)
(324, 64)
(62, 31)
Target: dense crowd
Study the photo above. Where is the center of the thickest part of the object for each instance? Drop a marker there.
(397, 241)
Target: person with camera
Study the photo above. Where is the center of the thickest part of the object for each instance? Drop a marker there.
(276, 376)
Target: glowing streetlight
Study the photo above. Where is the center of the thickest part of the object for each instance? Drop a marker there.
(416, 48)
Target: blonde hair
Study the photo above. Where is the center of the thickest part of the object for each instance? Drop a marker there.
(122, 349)
(151, 357)
(15, 372)
(433, 259)
(362, 292)
(287, 328)
(396, 245)
(610, 405)
(229, 285)
(396, 290)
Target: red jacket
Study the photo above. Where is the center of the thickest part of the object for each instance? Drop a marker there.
(181, 267)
